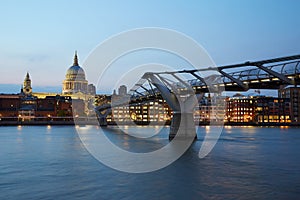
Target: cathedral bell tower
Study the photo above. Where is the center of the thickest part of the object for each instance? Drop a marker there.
(27, 89)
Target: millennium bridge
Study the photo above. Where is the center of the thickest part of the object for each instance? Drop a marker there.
(182, 90)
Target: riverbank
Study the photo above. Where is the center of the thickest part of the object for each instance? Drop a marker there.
(95, 122)
(43, 123)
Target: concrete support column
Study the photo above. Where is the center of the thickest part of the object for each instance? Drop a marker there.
(182, 126)
(102, 121)
(102, 116)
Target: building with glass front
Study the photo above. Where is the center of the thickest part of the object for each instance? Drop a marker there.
(258, 109)
(292, 93)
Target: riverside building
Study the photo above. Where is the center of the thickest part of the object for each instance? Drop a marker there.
(292, 93)
(258, 109)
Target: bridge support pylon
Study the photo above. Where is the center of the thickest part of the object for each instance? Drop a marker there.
(182, 126)
(102, 121)
(102, 117)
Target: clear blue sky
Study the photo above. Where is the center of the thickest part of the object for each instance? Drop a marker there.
(41, 36)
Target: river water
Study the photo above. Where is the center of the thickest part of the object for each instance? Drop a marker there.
(50, 162)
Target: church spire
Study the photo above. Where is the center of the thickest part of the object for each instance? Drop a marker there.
(75, 63)
(27, 76)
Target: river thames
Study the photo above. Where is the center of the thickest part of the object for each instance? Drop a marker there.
(50, 162)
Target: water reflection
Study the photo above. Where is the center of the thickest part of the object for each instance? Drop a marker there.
(19, 127)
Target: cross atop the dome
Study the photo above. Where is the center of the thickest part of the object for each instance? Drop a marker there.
(75, 63)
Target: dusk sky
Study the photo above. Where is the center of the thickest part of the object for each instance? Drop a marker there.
(41, 36)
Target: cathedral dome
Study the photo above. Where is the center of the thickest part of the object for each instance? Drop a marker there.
(75, 82)
(75, 71)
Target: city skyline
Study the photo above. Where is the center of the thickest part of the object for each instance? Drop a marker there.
(42, 37)
(151, 99)
(7, 88)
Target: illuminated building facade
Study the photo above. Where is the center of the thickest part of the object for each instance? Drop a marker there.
(292, 93)
(240, 109)
(210, 109)
(24, 108)
(258, 109)
(272, 110)
(206, 113)
(156, 112)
